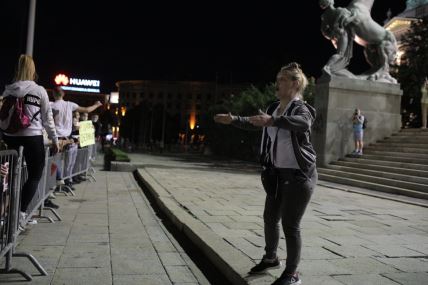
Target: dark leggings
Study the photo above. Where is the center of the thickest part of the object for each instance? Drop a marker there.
(35, 158)
(289, 204)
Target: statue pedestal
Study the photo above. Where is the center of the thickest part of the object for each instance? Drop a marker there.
(335, 101)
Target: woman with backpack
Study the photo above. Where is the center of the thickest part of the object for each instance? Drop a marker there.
(38, 114)
(289, 157)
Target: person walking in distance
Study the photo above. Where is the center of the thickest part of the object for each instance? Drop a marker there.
(286, 144)
(36, 107)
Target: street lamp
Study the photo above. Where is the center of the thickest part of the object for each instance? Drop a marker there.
(30, 27)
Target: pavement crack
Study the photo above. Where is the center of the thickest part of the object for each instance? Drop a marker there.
(332, 251)
(331, 241)
(188, 211)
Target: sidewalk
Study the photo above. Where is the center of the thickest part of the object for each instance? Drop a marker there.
(109, 235)
(349, 238)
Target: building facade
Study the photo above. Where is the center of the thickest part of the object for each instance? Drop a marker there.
(400, 24)
(169, 112)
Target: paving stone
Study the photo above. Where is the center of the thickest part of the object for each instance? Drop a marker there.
(422, 248)
(406, 264)
(392, 250)
(408, 278)
(350, 250)
(363, 265)
(180, 274)
(78, 276)
(365, 279)
(151, 279)
(171, 258)
(85, 255)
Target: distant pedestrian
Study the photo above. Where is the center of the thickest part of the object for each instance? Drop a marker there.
(357, 127)
(424, 103)
(292, 173)
(36, 106)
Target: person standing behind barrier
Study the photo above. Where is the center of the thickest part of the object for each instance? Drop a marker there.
(97, 127)
(357, 126)
(424, 103)
(286, 141)
(64, 125)
(36, 104)
(77, 118)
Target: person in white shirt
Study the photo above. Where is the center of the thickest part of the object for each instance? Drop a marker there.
(36, 106)
(64, 125)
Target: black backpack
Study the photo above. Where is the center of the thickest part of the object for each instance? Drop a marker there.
(364, 123)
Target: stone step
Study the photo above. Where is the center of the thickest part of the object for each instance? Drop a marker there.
(365, 164)
(413, 142)
(407, 139)
(410, 135)
(386, 157)
(366, 159)
(413, 130)
(372, 186)
(378, 180)
(361, 169)
(422, 154)
(417, 131)
(405, 145)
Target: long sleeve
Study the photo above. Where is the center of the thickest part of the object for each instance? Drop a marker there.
(244, 123)
(300, 121)
(47, 117)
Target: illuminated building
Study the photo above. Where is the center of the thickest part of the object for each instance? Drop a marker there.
(400, 24)
(167, 111)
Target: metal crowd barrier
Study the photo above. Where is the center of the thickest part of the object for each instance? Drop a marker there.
(11, 187)
(9, 207)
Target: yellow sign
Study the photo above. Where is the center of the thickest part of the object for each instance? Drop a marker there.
(86, 133)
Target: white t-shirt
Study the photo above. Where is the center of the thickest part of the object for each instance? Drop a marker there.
(63, 116)
(285, 157)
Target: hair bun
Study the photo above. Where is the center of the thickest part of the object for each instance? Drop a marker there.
(293, 65)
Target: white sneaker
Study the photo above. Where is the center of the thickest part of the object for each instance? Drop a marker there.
(22, 218)
(32, 222)
(60, 182)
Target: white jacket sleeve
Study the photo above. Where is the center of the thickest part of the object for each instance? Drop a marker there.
(47, 117)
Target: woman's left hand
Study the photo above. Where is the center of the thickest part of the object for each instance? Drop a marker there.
(261, 120)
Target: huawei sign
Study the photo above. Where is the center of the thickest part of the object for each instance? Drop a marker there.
(77, 84)
(61, 79)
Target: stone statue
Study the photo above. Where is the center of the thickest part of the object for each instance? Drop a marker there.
(343, 26)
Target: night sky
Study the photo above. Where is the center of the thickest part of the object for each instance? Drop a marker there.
(119, 40)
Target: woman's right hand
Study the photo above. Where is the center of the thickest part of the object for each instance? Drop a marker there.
(225, 119)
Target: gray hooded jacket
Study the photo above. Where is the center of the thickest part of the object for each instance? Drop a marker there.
(35, 99)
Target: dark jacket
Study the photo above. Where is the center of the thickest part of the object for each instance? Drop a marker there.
(298, 120)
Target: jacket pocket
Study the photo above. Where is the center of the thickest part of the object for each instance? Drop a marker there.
(269, 179)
